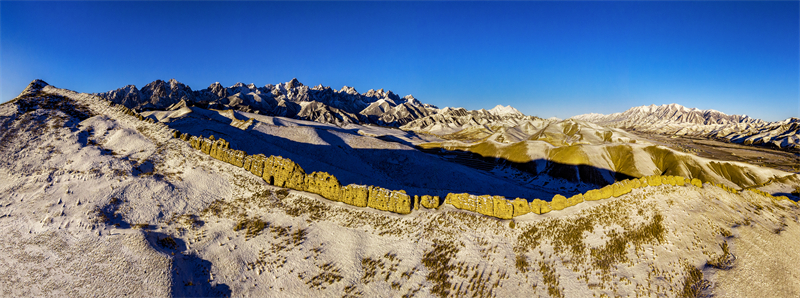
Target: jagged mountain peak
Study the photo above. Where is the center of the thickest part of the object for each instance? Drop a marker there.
(348, 90)
(293, 83)
(290, 99)
(672, 113)
(501, 110)
(34, 87)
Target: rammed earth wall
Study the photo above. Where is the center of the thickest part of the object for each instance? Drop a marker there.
(283, 172)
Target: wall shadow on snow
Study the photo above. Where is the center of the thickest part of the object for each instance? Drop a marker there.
(400, 168)
(191, 275)
(791, 196)
(573, 173)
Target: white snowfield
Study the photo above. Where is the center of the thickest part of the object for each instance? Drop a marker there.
(674, 119)
(97, 203)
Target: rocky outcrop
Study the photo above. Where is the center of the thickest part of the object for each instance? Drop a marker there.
(220, 150)
(575, 200)
(766, 194)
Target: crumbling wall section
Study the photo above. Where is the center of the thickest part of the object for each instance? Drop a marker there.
(430, 202)
(356, 195)
(389, 200)
(521, 207)
(325, 185)
(283, 172)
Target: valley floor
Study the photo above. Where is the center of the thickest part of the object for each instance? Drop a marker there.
(760, 156)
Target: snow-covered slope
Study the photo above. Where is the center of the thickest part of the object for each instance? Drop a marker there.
(291, 99)
(674, 119)
(451, 120)
(667, 114)
(95, 202)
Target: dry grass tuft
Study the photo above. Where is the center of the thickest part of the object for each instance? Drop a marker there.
(694, 284)
(438, 262)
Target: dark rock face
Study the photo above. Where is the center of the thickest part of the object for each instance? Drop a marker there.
(291, 99)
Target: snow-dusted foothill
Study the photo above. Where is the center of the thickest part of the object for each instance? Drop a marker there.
(97, 199)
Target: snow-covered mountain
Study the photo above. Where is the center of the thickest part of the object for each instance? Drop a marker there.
(674, 119)
(291, 99)
(98, 200)
(501, 110)
(652, 115)
(451, 120)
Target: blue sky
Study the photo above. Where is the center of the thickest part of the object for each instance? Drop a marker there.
(544, 58)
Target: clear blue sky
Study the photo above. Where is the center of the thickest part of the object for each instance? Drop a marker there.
(544, 58)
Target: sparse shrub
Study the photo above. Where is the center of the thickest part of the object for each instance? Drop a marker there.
(330, 274)
(437, 260)
(725, 232)
(315, 209)
(694, 284)
(522, 263)
(282, 193)
(370, 267)
(724, 261)
(551, 280)
(780, 228)
(351, 291)
(253, 227)
(167, 242)
(615, 249)
(99, 215)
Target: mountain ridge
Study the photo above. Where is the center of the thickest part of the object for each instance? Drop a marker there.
(290, 99)
(675, 119)
(672, 112)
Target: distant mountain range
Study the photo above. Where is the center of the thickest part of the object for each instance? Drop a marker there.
(675, 119)
(385, 108)
(451, 120)
(291, 99)
(647, 116)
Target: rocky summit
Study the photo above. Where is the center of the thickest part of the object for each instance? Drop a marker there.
(290, 99)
